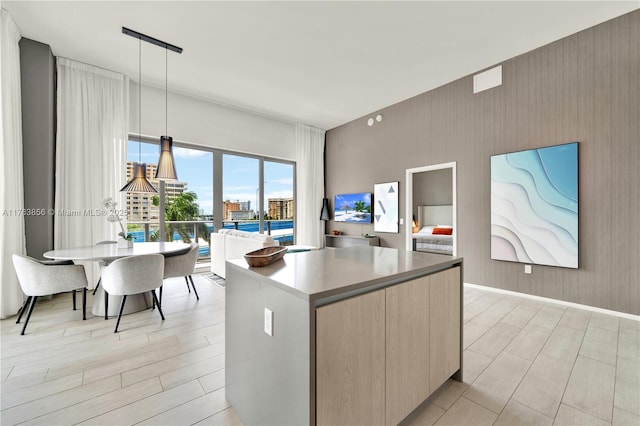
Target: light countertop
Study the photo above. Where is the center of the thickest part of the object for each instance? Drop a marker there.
(320, 274)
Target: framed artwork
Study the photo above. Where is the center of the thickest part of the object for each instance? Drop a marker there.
(534, 206)
(385, 211)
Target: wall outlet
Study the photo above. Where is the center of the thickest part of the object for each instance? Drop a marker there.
(268, 321)
(401, 221)
(527, 269)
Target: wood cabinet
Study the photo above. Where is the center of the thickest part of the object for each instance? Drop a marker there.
(444, 334)
(381, 354)
(350, 361)
(407, 349)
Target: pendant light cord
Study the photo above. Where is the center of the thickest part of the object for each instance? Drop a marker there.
(140, 101)
(166, 90)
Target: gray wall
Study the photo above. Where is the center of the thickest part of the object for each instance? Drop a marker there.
(582, 88)
(432, 188)
(37, 73)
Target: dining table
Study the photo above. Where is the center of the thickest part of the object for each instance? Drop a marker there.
(107, 253)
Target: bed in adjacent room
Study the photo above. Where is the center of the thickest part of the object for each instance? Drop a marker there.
(436, 229)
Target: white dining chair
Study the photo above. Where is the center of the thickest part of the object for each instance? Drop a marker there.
(133, 275)
(44, 278)
(182, 265)
(102, 263)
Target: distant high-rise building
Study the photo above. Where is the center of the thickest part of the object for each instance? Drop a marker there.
(229, 206)
(237, 210)
(140, 205)
(281, 208)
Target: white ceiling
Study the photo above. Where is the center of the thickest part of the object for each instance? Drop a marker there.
(319, 63)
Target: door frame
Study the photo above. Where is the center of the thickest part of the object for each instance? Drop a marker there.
(409, 202)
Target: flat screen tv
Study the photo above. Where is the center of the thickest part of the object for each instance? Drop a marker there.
(354, 208)
(534, 206)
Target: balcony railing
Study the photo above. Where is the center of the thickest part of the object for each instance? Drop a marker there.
(281, 230)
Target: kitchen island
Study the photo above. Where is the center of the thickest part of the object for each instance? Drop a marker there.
(357, 335)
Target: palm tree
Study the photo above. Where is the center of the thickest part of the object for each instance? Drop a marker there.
(182, 208)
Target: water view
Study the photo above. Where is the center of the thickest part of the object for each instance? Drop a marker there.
(280, 230)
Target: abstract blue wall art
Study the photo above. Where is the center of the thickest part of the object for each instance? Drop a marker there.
(534, 206)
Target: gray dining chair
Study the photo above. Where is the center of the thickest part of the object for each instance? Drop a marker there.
(102, 263)
(133, 275)
(182, 265)
(44, 278)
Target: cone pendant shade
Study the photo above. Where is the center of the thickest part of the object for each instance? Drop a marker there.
(139, 182)
(166, 165)
(324, 212)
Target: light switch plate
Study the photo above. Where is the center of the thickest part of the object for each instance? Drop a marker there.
(527, 269)
(268, 321)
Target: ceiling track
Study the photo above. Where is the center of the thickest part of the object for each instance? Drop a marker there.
(151, 40)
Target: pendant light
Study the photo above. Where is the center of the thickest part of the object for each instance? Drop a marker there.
(139, 182)
(324, 212)
(166, 169)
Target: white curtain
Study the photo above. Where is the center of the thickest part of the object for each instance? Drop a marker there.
(93, 113)
(12, 239)
(310, 185)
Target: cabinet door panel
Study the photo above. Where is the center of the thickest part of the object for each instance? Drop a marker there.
(444, 335)
(407, 348)
(350, 361)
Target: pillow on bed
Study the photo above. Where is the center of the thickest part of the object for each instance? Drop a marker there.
(440, 230)
(426, 230)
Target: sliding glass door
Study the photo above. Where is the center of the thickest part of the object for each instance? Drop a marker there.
(255, 194)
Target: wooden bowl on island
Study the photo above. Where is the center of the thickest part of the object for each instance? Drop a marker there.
(265, 256)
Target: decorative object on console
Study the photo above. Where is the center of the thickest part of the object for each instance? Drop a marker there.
(534, 206)
(139, 182)
(385, 210)
(353, 207)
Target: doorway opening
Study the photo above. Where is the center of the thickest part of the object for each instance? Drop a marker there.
(437, 192)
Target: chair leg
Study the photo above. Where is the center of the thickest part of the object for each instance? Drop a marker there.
(74, 299)
(194, 287)
(106, 305)
(188, 288)
(124, 299)
(84, 303)
(97, 285)
(24, 307)
(160, 296)
(153, 293)
(33, 304)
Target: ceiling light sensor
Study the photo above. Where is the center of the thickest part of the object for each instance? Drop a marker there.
(370, 122)
(379, 118)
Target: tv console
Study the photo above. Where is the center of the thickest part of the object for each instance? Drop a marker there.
(349, 241)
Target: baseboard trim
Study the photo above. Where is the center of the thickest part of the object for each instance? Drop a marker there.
(556, 301)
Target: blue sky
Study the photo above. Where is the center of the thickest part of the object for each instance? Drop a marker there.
(240, 174)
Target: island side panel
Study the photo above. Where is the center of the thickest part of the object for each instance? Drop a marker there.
(267, 377)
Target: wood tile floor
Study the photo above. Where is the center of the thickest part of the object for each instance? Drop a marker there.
(525, 363)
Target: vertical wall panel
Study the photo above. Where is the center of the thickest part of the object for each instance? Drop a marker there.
(37, 73)
(582, 88)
